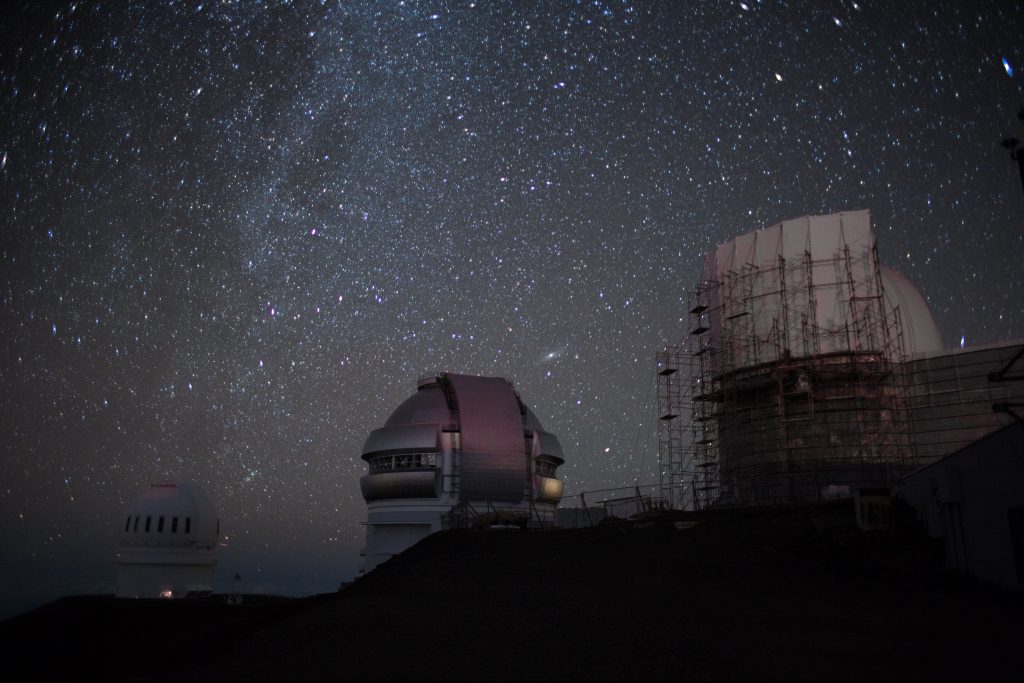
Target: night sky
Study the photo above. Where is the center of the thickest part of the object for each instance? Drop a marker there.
(234, 234)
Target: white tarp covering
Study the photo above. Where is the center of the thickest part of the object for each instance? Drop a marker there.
(801, 287)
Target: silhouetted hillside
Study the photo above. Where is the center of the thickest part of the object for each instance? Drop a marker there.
(776, 594)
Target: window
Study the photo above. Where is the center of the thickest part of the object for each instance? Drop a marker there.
(128, 524)
(160, 525)
(188, 525)
(218, 527)
(544, 468)
(149, 520)
(174, 525)
(136, 527)
(403, 461)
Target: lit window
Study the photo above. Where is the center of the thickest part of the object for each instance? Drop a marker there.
(149, 521)
(188, 525)
(174, 525)
(403, 461)
(544, 468)
(160, 525)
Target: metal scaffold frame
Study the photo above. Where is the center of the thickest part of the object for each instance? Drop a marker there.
(782, 406)
(674, 457)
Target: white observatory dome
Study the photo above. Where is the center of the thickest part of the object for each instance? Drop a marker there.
(920, 332)
(461, 445)
(167, 542)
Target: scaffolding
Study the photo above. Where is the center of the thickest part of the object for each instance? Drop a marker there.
(687, 434)
(674, 457)
(794, 380)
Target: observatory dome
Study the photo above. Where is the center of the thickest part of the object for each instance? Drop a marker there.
(171, 515)
(430, 406)
(427, 406)
(167, 541)
(921, 334)
(459, 443)
(796, 333)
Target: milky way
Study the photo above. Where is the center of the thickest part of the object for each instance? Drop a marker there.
(234, 235)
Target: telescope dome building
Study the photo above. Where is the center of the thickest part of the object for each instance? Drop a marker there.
(462, 449)
(790, 385)
(809, 370)
(168, 538)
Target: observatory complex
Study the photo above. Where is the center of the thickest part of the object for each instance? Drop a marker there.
(462, 447)
(168, 537)
(809, 370)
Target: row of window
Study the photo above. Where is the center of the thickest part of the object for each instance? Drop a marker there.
(132, 524)
(423, 461)
(402, 461)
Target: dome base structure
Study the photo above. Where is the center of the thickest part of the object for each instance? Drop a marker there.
(164, 579)
(463, 449)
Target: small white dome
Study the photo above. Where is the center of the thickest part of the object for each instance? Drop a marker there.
(171, 515)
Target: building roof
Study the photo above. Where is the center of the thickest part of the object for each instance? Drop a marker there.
(1012, 432)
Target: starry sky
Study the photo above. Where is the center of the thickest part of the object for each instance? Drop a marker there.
(234, 234)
